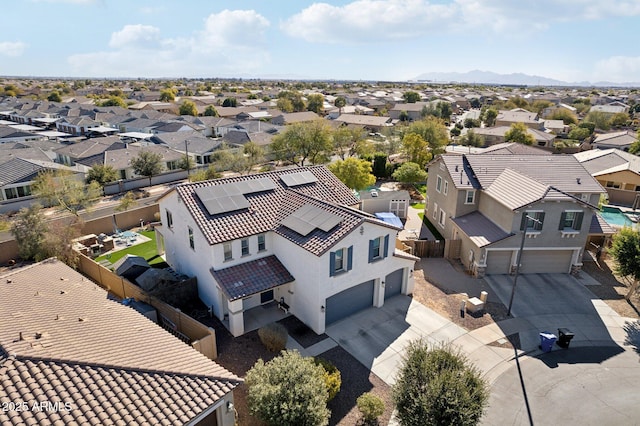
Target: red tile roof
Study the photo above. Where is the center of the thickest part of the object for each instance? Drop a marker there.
(66, 342)
(268, 208)
(252, 277)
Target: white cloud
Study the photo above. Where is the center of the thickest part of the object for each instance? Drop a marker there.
(231, 42)
(136, 36)
(12, 48)
(364, 21)
(620, 69)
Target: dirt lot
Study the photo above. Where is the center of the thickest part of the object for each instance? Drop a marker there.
(612, 289)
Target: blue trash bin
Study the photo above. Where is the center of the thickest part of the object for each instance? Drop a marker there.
(547, 340)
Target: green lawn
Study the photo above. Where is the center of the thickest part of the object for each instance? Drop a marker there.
(419, 206)
(146, 250)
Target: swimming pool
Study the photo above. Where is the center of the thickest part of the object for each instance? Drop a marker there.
(614, 216)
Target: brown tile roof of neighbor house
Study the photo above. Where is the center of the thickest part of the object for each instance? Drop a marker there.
(264, 210)
(63, 341)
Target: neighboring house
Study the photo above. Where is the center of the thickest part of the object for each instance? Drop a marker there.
(69, 154)
(76, 125)
(80, 358)
(120, 159)
(376, 201)
(198, 147)
(611, 108)
(496, 135)
(485, 200)
(557, 127)
(415, 111)
(619, 140)
(18, 175)
(559, 107)
(294, 117)
(511, 148)
(519, 115)
(617, 171)
(10, 134)
(290, 236)
(369, 122)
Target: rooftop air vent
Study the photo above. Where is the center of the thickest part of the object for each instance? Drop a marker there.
(578, 181)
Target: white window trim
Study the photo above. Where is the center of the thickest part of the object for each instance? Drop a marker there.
(342, 268)
(443, 216)
(445, 190)
(435, 211)
(242, 248)
(438, 184)
(224, 252)
(473, 196)
(532, 232)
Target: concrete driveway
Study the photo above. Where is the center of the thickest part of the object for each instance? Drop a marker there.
(377, 337)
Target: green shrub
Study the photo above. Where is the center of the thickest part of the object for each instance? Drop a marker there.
(371, 406)
(332, 377)
(289, 390)
(274, 336)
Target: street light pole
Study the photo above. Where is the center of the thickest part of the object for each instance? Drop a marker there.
(519, 258)
(186, 150)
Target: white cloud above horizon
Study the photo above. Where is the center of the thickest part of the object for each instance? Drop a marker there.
(370, 21)
(230, 41)
(12, 48)
(621, 69)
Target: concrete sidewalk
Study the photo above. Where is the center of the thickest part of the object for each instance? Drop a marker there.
(414, 228)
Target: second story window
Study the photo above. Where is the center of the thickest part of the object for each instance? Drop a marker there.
(262, 242)
(191, 241)
(340, 261)
(470, 197)
(446, 187)
(571, 221)
(244, 244)
(439, 184)
(169, 219)
(532, 220)
(228, 253)
(378, 248)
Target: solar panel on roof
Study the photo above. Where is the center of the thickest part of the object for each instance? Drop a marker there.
(298, 178)
(309, 217)
(216, 200)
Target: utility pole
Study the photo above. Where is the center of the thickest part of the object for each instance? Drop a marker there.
(519, 258)
(186, 150)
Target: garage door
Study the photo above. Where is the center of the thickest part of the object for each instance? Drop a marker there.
(545, 261)
(349, 302)
(498, 262)
(393, 284)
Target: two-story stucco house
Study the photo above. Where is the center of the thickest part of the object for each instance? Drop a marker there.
(291, 236)
(487, 201)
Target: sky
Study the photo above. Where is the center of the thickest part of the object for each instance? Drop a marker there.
(397, 40)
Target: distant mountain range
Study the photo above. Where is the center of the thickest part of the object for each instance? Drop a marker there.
(518, 79)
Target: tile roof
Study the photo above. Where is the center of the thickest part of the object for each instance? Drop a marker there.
(18, 170)
(624, 138)
(599, 226)
(267, 208)
(480, 229)
(563, 172)
(509, 148)
(252, 277)
(507, 189)
(109, 362)
(599, 162)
